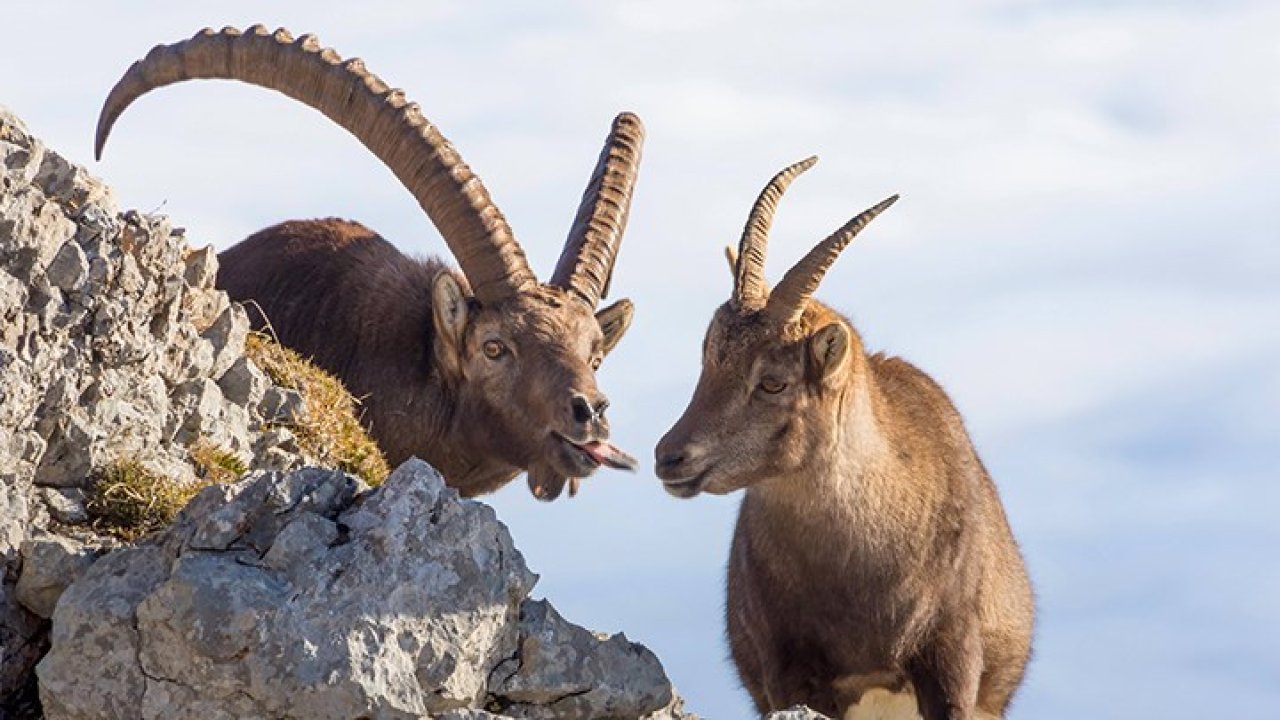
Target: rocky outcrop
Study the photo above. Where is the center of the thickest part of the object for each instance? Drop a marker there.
(114, 345)
(291, 593)
(310, 596)
(113, 341)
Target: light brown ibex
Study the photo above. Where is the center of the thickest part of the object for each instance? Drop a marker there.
(871, 552)
(485, 372)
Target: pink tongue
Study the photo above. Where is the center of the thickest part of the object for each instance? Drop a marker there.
(606, 454)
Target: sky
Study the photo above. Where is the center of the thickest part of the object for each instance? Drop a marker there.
(1086, 256)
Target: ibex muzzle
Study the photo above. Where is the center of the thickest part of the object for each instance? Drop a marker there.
(484, 372)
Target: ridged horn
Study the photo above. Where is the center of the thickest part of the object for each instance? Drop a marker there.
(787, 301)
(749, 289)
(586, 263)
(380, 117)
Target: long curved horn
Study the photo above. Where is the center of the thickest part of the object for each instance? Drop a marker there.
(749, 289)
(586, 263)
(788, 299)
(379, 116)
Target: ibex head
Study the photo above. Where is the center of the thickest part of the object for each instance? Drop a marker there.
(524, 376)
(516, 357)
(774, 366)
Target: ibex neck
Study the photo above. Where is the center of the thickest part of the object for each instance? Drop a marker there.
(844, 480)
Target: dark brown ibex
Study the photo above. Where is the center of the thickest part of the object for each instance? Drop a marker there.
(485, 372)
(871, 552)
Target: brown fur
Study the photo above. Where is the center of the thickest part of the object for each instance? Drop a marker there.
(871, 549)
(341, 295)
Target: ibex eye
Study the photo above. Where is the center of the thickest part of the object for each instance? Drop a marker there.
(772, 385)
(493, 349)
(595, 363)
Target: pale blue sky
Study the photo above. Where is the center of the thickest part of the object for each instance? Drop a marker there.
(1086, 256)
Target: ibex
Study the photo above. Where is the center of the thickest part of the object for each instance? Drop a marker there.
(871, 551)
(485, 372)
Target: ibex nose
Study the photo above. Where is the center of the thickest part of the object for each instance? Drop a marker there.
(585, 411)
(673, 455)
(668, 464)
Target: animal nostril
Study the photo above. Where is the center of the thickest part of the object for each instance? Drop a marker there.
(670, 461)
(601, 407)
(582, 411)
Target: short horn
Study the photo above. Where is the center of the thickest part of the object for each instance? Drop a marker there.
(379, 116)
(749, 289)
(787, 301)
(586, 264)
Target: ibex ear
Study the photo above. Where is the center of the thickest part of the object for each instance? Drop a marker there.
(614, 321)
(828, 349)
(731, 254)
(449, 313)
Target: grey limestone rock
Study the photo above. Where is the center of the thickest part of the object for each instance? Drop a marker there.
(112, 340)
(96, 617)
(201, 267)
(69, 268)
(308, 595)
(243, 383)
(564, 671)
(50, 563)
(66, 505)
(226, 337)
(281, 404)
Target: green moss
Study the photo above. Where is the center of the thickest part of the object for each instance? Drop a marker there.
(128, 501)
(328, 429)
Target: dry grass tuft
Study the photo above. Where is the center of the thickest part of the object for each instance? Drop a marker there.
(128, 501)
(328, 429)
(216, 464)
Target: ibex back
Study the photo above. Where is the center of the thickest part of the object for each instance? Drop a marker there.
(871, 555)
(485, 372)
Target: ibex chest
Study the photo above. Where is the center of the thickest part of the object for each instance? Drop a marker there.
(827, 585)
